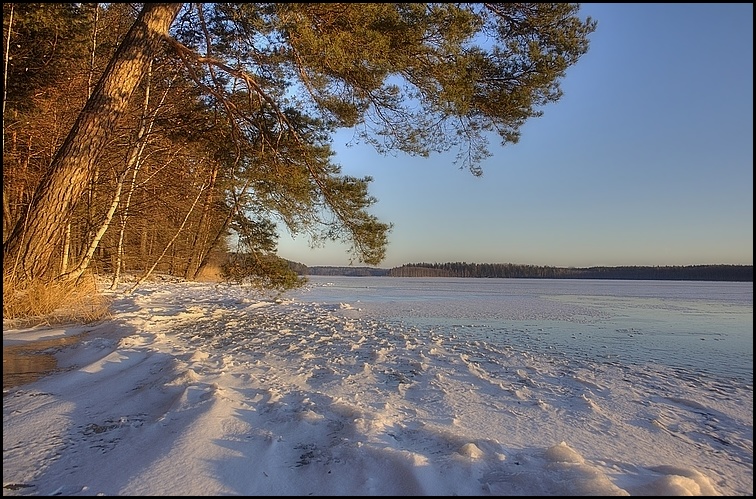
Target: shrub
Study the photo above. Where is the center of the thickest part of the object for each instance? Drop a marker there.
(32, 303)
(263, 271)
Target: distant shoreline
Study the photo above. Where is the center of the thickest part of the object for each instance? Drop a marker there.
(727, 273)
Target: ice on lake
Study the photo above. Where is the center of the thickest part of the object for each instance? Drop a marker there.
(391, 386)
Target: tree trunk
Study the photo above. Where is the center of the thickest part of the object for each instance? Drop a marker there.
(197, 247)
(66, 249)
(222, 230)
(170, 243)
(7, 58)
(30, 249)
(93, 245)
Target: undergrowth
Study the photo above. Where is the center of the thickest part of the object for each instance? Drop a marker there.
(33, 303)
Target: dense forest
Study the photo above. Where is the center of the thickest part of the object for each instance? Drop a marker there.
(738, 273)
(182, 138)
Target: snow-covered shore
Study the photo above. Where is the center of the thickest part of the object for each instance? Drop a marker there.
(207, 389)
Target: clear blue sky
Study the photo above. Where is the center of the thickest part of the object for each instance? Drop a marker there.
(646, 160)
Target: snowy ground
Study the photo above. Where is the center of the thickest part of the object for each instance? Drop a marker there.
(205, 389)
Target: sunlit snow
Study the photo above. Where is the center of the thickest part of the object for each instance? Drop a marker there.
(215, 389)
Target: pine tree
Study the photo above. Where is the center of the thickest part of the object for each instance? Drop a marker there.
(279, 78)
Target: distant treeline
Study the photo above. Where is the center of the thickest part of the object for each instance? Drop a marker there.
(303, 269)
(737, 273)
(504, 270)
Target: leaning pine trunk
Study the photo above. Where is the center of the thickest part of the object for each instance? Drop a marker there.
(30, 249)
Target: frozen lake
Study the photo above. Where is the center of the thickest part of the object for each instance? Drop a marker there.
(699, 328)
(389, 386)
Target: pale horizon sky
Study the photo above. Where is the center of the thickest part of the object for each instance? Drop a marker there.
(647, 159)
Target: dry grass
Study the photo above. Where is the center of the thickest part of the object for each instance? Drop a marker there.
(27, 304)
(211, 273)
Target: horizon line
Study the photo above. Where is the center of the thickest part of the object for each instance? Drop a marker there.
(535, 265)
